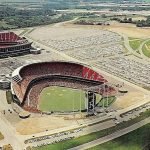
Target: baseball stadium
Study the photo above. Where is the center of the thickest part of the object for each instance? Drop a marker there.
(12, 45)
(58, 86)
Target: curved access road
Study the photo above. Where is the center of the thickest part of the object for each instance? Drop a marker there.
(141, 51)
(128, 47)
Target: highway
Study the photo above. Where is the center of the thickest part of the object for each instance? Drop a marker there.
(112, 136)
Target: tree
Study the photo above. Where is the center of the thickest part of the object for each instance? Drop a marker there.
(130, 20)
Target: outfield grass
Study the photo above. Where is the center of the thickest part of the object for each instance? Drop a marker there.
(62, 99)
(135, 140)
(93, 136)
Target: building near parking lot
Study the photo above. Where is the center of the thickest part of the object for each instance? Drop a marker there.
(13, 45)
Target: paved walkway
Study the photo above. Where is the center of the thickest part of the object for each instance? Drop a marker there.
(112, 136)
(10, 135)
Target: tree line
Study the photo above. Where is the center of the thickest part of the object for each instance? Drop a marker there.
(16, 18)
(139, 23)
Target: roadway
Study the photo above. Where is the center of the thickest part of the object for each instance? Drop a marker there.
(112, 136)
(128, 47)
(10, 135)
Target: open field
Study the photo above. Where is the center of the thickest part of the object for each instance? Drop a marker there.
(130, 30)
(135, 43)
(129, 99)
(63, 99)
(41, 124)
(136, 140)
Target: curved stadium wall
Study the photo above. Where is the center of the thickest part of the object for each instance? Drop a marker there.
(13, 45)
(28, 81)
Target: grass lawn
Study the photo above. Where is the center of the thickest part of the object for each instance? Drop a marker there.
(135, 140)
(9, 97)
(62, 99)
(146, 49)
(1, 136)
(135, 43)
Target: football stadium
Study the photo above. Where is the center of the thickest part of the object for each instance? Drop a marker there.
(59, 86)
(12, 45)
(74, 75)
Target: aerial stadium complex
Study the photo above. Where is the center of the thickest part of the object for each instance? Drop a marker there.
(52, 96)
(13, 45)
(58, 86)
(71, 86)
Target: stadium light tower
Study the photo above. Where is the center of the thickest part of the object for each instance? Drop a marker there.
(103, 105)
(80, 101)
(28, 101)
(73, 98)
(105, 96)
(86, 100)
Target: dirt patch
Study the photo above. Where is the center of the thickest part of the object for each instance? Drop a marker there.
(129, 99)
(139, 18)
(40, 124)
(121, 28)
(131, 31)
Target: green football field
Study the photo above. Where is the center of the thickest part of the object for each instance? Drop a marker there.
(62, 99)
